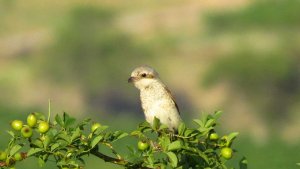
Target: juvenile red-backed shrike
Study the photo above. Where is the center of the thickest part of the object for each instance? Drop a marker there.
(156, 98)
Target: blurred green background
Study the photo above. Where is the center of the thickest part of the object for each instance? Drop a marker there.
(239, 56)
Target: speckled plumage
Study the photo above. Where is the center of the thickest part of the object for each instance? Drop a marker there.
(156, 99)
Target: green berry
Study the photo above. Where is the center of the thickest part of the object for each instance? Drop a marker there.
(43, 127)
(26, 131)
(213, 136)
(226, 153)
(18, 157)
(31, 120)
(17, 125)
(3, 155)
(143, 145)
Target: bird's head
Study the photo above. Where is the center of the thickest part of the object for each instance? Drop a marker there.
(143, 76)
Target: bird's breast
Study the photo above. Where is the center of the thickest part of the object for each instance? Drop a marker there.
(160, 105)
(151, 99)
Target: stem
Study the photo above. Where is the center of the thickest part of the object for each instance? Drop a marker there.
(49, 110)
(113, 150)
(117, 161)
(108, 158)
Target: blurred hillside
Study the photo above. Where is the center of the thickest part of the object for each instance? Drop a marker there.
(238, 56)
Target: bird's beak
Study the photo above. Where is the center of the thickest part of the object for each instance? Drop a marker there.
(131, 79)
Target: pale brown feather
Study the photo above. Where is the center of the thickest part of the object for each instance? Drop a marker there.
(173, 99)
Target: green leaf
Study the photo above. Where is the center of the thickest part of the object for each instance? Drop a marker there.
(118, 135)
(150, 160)
(55, 146)
(59, 120)
(209, 150)
(181, 129)
(199, 122)
(164, 142)
(72, 164)
(204, 130)
(64, 136)
(156, 123)
(121, 136)
(46, 141)
(210, 123)
(68, 121)
(81, 160)
(37, 143)
(232, 136)
(76, 134)
(204, 118)
(100, 129)
(224, 166)
(199, 152)
(175, 145)
(15, 149)
(243, 163)
(144, 126)
(83, 123)
(163, 127)
(40, 116)
(41, 162)
(136, 133)
(95, 141)
(11, 133)
(191, 133)
(173, 159)
(228, 140)
(217, 114)
(203, 156)
(33, 151)
(45, 157)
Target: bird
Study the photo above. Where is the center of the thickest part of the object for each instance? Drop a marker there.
(156, 99)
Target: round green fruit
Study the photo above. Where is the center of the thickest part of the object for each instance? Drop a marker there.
(31, 120)
(18, 157)
(26, 131)
(17, 125)
(43, 127)
(143, 145)
(213, 136)
(95, 126)
(226, 153)
(3, 155)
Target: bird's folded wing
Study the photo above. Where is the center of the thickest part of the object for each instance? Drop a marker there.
(173, 99)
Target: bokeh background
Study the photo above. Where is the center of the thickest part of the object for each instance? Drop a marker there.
(238, 56)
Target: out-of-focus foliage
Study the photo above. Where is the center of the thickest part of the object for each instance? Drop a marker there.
(269, 77)
(265, 14)
(91, 51)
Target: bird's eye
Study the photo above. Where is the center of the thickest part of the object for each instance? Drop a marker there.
(144, 75)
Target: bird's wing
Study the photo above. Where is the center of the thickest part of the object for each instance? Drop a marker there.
(173, 99)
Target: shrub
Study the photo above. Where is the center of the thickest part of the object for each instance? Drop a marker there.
(67, 142)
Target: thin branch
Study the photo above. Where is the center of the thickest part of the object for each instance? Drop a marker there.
(117, 161)
(108, 158)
